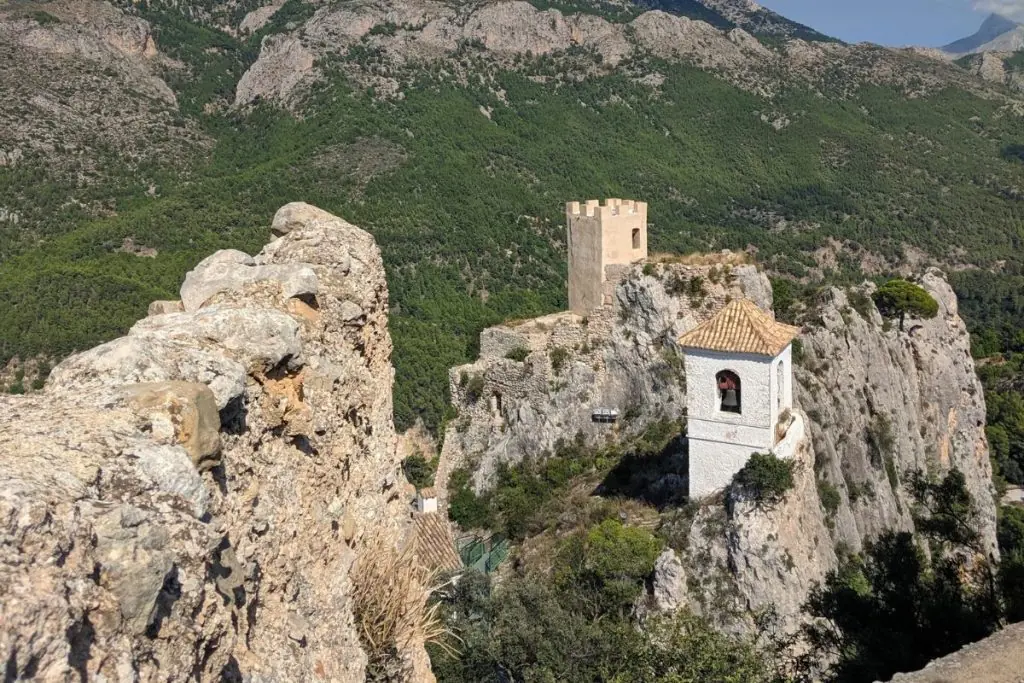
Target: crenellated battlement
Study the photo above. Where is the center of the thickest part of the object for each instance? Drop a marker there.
(600, 235)
(610, 207)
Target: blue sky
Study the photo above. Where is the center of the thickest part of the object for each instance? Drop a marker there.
(894, 22)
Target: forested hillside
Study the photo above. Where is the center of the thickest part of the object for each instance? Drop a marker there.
(858, 162)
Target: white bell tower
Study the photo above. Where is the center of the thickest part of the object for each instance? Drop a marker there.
(739, 393)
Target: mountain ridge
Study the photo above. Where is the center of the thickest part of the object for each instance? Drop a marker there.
(993, 30)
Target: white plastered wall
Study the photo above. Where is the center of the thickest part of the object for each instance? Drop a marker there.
(721, 442)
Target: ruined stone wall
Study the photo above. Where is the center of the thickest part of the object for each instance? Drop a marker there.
(187, 501)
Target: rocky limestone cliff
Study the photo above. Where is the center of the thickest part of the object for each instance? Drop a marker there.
(538, 382)
(992, 66)
(879, 404)
(379, 43)
(187, 501)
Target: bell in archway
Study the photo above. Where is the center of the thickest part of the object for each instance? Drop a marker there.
(729, 400)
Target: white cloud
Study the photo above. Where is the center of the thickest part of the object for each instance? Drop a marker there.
(1012, 9)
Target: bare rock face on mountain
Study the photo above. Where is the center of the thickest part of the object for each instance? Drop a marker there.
(995, 67)
(884, 403)
(539, 382)
(187, 501)
(384, 44)
(83, 101)
(996, 33)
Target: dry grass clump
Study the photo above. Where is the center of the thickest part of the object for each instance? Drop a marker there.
(391, 591)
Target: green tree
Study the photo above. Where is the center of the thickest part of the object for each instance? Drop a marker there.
(900, 298)
(895, 607)
(1011, 571)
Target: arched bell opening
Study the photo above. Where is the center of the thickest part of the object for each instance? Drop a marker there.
(729, 392)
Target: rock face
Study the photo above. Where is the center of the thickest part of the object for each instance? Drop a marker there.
(880, 404)
(540, 381)
(883, 403)
(993, 67)
(187, 501)
(83, 102)
(383, 44)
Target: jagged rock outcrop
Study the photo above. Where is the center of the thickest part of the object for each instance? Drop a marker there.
(187, 501)
(883, 403)
(743, 559)
(993, 67)
(880, 404)
(538, 382)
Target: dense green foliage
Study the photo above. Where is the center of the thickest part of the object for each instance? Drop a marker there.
(1011, 567)
(764, 478)
(899, 298)
(570, 622)
(527, 495)
(419, 471)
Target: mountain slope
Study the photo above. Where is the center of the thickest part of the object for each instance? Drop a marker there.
(455, 133)
(994, 31)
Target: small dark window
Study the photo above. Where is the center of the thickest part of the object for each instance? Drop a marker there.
(636, 238)
(729, 391)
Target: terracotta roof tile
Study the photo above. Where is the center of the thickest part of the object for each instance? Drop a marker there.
(435, 545)
(741, 327)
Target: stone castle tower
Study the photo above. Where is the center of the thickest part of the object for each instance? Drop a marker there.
(601, 235)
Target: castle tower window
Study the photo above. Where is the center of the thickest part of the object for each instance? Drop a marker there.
(729, 391)
(636, 238)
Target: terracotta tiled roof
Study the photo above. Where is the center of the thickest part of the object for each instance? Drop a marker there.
(741, 327)
(428, 492)
(435, 545)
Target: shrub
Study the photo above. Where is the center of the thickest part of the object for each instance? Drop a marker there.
(475, 387)
(558, 357)
(467, 509)
(518, 354)
(880, 440)
(419, 471)
(390, 604)
(830, 497)
(617, 551)
(860, 302)
(44, 18)
(765, 477)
